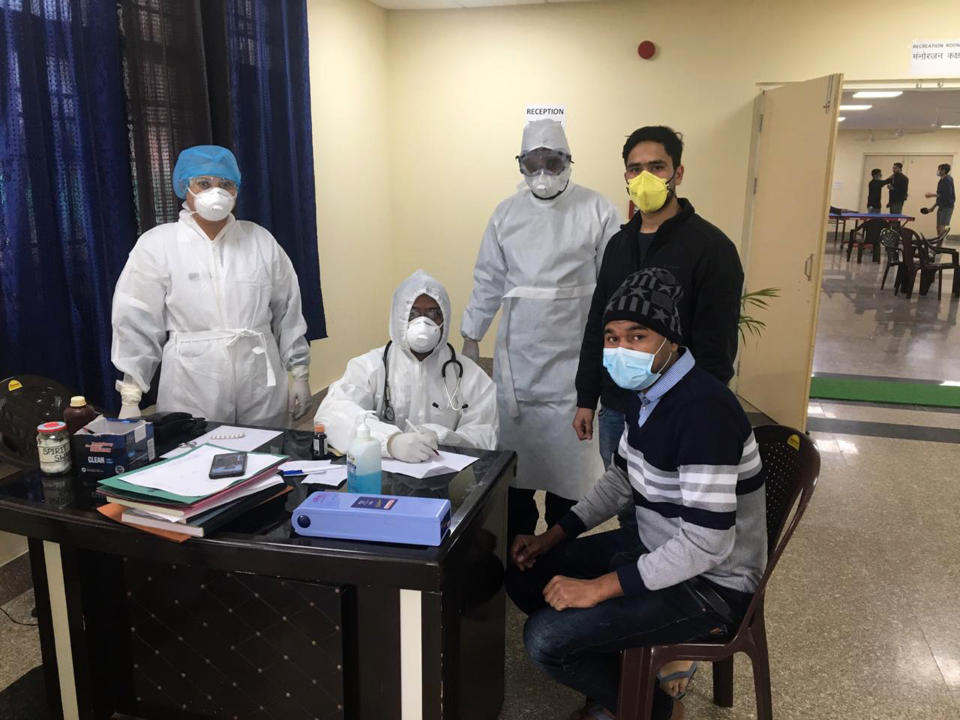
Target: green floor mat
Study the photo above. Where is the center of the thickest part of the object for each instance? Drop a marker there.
(883, 391)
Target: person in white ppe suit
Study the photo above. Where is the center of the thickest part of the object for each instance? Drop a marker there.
(422, 393)
(217, 300)
(539, 260)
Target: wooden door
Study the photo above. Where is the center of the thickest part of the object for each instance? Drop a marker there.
(795, 138)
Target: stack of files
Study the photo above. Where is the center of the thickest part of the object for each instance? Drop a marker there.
(178, 495)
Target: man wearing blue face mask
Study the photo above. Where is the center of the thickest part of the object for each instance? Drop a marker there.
(689, 464)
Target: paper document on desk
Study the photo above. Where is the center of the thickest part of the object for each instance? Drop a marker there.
(189, 474)
(331, 477)
(442, 464)
(231, 437)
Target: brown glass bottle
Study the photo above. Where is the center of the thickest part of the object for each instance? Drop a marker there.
(78, 414)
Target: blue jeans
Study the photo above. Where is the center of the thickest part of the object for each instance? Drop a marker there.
(609, 430)
(581, 648)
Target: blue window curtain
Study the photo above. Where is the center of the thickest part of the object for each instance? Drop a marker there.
(268, 59)
(66, 211)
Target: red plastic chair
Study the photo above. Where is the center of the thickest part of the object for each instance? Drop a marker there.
(791, 465)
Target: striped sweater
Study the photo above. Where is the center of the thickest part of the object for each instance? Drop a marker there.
(690, 462)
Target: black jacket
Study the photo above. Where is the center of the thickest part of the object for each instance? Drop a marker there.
(898, 187)
(706, 265)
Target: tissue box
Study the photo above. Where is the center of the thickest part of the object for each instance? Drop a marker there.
(108, 446)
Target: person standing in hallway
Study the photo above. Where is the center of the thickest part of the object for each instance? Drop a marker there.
(874, 203)
(946, 196)
(539, 260)
(899, 184)
(666, 232)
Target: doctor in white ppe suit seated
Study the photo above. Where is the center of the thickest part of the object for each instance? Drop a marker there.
(421, 391)
(217, 300)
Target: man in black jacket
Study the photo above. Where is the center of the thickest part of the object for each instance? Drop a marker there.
(667, 233)
(899, 183)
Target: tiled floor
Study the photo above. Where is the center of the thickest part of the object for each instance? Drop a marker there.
(867, 331)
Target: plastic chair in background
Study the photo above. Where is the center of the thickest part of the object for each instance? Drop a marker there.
(890, 240)
(791, 466)
(868, 233)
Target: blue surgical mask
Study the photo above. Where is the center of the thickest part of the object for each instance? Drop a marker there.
(631, 369)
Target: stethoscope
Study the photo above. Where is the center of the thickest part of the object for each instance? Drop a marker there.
(388, 413)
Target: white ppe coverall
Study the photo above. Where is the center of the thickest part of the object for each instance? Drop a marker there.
(539, 259)
(223, 315)
(430, 393)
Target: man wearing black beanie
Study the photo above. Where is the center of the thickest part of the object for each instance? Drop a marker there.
(689, 464)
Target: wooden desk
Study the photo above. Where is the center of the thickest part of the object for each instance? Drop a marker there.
(256, 622)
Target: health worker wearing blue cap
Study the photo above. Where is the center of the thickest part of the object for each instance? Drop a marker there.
(215, 299)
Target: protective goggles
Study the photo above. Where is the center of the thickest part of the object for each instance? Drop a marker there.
(205, 182)
(435, 314)
(543, 159)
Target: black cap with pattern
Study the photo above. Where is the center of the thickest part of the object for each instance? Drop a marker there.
(650, 297)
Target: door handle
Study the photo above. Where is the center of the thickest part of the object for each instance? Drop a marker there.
(808, 267)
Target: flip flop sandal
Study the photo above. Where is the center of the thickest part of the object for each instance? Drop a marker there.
(688, 674)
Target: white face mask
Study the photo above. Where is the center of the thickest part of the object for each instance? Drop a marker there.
(213, 204)
(546, 186)
(423, 334)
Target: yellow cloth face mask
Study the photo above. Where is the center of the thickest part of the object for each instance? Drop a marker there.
(648, 192)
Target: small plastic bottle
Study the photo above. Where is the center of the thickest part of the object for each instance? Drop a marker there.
(364, 466)
(78, 414)
(320, 450)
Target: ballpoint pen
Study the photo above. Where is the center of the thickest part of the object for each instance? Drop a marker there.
(418, 430)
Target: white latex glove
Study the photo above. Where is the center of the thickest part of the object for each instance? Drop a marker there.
(413, 447)
(299, 394)
(471, 349)
(130, 394)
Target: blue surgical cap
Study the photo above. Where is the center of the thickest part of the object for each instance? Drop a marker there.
(200, 160)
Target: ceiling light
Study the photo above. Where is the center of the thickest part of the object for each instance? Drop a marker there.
(864, 94)
(855, 107)
(949, 127)
(841, 119)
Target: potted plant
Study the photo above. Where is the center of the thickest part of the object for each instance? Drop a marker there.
(751, 302)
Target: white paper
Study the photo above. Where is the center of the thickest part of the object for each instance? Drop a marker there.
(238, 439)
(445, 462)
(189, 474)
(331, 477)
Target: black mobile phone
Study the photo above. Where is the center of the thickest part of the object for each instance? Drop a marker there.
(228, 465)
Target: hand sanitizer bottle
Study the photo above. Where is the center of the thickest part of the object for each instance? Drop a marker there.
(364, 467)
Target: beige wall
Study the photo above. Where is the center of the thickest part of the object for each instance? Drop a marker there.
(458, 81)
(850, 177)
(348, 89)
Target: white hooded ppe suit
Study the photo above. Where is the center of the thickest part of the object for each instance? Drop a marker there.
(223, 314)
(429, 393)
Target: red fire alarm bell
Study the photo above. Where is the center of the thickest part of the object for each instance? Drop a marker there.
(646, 49)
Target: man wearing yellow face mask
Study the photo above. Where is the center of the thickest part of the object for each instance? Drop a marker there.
(665, 232)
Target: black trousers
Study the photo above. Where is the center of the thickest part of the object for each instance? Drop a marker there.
(522, 512)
